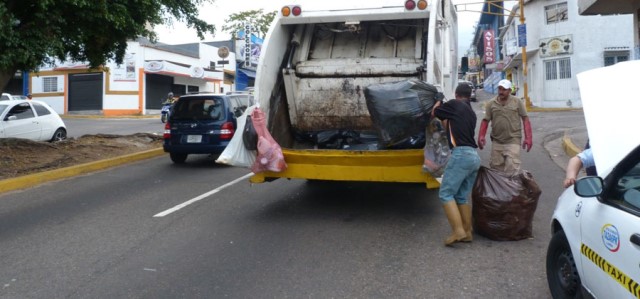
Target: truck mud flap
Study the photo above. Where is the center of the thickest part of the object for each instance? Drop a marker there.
(403, 166)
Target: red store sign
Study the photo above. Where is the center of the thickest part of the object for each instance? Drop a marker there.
(489, 47)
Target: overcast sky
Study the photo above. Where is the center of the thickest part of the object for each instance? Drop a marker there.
(217, 12)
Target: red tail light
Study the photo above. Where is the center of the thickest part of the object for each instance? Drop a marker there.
(167, 131)
(410, 5)
(296, 11)
(226, 131)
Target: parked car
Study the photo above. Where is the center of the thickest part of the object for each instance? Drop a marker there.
(202, 123)
(594, 250)
(10, 97)
(7, 97)
(30, 119)
(241, 100)
(473, 89)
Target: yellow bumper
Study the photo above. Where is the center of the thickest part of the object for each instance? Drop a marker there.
(404, 166)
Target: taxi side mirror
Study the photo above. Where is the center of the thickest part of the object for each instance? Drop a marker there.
(588, 186)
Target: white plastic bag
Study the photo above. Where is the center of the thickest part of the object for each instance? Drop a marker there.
(236, 154)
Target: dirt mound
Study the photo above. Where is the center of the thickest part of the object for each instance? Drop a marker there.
(21, 156)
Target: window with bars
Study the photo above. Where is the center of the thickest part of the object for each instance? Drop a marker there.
(557, 69)
(50, 84)
(192, 88)
(556, 13)
(611, 58)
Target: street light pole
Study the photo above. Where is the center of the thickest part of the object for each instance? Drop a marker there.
(524, 58)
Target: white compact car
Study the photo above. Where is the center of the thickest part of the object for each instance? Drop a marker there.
(30, 119)
(595, 246)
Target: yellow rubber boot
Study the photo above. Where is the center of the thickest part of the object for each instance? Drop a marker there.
(465, 214)
(455, 220)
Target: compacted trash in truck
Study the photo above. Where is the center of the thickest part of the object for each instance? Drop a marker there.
(317, 61)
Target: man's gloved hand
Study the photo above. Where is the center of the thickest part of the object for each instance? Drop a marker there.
(481, 142)
(528, 138)
(483, 131)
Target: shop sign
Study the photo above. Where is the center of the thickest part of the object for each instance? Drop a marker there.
(489, 46)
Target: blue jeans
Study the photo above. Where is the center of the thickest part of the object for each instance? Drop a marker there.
(459, 175)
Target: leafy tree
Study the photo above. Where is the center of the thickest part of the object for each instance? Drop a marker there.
(35, 32)
(261, 21)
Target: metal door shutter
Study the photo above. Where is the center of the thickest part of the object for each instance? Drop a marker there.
(157, 88)
(85, 92)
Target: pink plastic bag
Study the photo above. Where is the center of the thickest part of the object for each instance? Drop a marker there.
(270, 157)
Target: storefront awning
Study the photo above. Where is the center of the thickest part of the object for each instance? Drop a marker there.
(516, 61)
(249, 73)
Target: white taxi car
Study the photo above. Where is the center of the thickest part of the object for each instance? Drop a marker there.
(595, 246)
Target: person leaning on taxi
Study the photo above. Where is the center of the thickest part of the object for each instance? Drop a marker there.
(505, 112)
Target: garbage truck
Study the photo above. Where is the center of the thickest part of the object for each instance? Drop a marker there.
(317, 59)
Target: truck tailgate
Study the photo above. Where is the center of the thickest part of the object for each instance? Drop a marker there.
(342, 165)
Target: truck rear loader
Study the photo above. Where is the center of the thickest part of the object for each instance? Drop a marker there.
(318, 58)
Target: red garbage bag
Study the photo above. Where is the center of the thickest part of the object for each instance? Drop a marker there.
(503, 205)
(270, 157)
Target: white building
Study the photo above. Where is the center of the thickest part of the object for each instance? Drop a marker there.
(137, 86)
(560, 43)
(608, 7)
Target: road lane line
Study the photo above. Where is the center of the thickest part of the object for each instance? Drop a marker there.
(205, 195)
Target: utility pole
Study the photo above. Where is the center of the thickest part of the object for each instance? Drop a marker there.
(524, 58)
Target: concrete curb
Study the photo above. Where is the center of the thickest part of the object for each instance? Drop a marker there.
(32, 180)
(569, 147)
(538, 109)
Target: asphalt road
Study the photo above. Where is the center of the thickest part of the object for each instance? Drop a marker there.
(95, 236)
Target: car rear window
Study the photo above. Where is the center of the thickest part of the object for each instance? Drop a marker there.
(199, 108)
(41, 110)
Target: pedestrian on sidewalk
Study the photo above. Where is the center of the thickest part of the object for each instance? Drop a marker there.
(462, 168)
(505, 113)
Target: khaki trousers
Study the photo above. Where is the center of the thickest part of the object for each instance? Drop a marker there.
(505, 157)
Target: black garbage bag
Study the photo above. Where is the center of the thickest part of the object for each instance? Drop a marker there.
(504, 205)
(400, 111)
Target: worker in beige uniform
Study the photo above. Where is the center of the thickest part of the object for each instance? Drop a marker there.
(508, 116)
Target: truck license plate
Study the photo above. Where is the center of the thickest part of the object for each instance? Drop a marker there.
(194, 138)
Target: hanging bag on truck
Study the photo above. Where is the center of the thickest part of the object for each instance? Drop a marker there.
(270, 157)
(436, 149)
(249, 135)
(236, 154)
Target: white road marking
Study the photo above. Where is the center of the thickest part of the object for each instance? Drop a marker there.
(205, 195)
